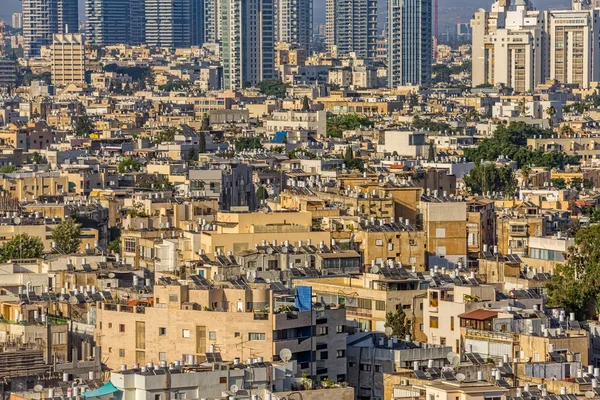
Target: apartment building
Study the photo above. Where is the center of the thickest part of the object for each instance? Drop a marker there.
(295, 23)
(189, 320)
(68, 59)
(314, 121)
(351, 28)
(44, 18)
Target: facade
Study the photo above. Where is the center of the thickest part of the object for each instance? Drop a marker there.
(295, 23)
(212, 18)
(247, 44)
(352, 28)
(68, 59)
(17, 20)
(8, 72)
(109, 21)
(44, 18)
(410, 44)
(174, 24)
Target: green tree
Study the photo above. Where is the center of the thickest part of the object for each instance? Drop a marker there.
(576, 183)
(7, 169)
(337, 124)
(261, 194)
(305, 104)
(551, 112)
(431, 153)
(558, 183)
(487, 177)
(21, 246)
(202, 142)
(441, 73)
(192, 156)
(247, 143)
(294, 154)
(114, 246)
(128, 164)
(36, 158)
(83, 126)
(67, 236)
(349, 155)
(168, 135)
(525, 173)
(273, 87)
(575, 284)
(398, 322)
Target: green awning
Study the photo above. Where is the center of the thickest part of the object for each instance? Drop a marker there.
(105, 390)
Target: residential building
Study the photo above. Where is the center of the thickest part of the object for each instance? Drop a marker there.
(351, 27)
(112, 22)
(312, 121)
(173, 24)
(410, 47)
(44, 18)
(17, 20)
(248, 47)
(295, 23)
(68, 59)
(8, 72)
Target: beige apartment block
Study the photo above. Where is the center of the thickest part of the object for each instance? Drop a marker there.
(68, 59)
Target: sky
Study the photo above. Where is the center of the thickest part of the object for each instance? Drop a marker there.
(451, 11)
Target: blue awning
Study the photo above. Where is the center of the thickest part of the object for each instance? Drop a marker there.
(279, 137)
(105, 390)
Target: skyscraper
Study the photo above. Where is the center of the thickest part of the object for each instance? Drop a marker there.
(174, 23)
(44, 18)
(295, 22)
(68, 59)
(410, 42)
(351, 26)
(108, 22)
(212, 21)
(247, 37)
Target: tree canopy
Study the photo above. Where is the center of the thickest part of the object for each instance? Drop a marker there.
(67, 236)
(337, 124)
(486, 177)
(273, 87)
(128, 164)
(511, 141)
(83, 126)
(247, 143)
(575, 284)
(21, 246)
(165, 136)
(398, 322)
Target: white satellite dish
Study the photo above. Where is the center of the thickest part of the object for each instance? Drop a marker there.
(455, 360)
(17, 220)
(234, 389)
(530, 274)
(450, 356)
(284, 249)
(285, 355)
(269, 250)
(251, 278)
(38, 388)
(111, 275)
(460, 377)
(590, 394)
(389, 331)
(375, 269)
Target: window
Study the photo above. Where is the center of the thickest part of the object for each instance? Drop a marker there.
(130, 245)
(440, 233)
(162, 331)
(364, 303)
(237, 334)
(379, 242)
(365, 367)
(121, 328)
(158, 397)
(121, 353)
(212, 335)
(451, 323)
(322, 330)
(378, 368)
(223, 379)
(433, 322)
(273, 264)
(339, 329)
(442, 341)
(324, 355)
(173, 298)
(185, 333)
(257, 336)
(162, 356)
(340, 353)
(380, 305)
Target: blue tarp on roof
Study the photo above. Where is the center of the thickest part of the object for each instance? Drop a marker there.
(105, 390)
(279, 137)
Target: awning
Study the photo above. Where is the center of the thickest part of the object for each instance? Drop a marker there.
(105, 390)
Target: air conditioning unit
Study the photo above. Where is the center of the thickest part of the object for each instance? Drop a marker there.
(527, 359)
(404, 382)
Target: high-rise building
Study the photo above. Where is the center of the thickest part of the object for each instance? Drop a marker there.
(114, 21)
(247, 37)
(212, 19)
(174, 23)
(410, 42)
(44, 18)
(295, 23)
(351, 27)
(17, 20)
(68, 59)
(520, 47)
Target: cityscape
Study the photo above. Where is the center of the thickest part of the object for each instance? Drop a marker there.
(299, 199)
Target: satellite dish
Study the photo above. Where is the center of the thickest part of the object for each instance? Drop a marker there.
(285, 355)
(590, 394)
(389, 331)
(269, 250)
(111, 275)
(460, 377)
(450, 356)
(73, 300)
(251, 278)
(375, 269)
(455, 360)
(234, 389)
(17, 220)
(530, 274)
(284, 249)
(38, 388)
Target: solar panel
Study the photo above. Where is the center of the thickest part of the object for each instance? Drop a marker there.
(421, 375)
(449, 376)
(575, 325)
(479, 359)
(434, 373)
(564, 325)
(33, 296)
(87, 267)
(107, 296)
(502, 383)
(278, 287)
(205, 259)
(52, 296)
(214, 357)
(296, 272)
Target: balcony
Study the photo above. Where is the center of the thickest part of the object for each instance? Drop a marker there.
(261, 316)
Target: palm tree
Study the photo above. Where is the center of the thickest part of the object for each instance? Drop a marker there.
(551, 112)
(525, 173)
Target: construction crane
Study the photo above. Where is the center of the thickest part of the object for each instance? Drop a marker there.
(436, 28)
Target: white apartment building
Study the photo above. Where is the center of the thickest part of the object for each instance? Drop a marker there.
(298, 120)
